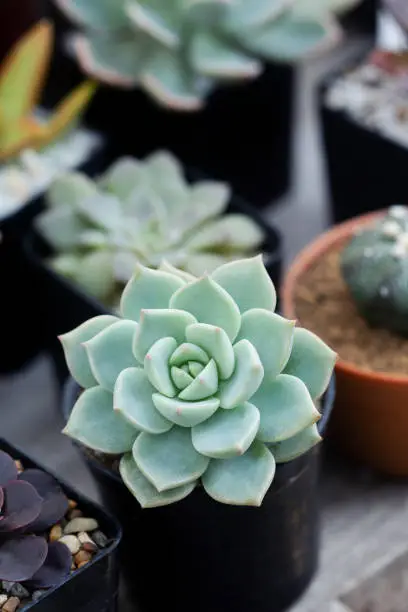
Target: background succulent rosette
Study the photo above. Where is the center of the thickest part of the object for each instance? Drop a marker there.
(198, 382)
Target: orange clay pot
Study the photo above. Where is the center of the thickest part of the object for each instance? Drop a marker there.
(370, 415)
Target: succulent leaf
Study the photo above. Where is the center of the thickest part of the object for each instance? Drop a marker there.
(132, 398)
(110, 352)
(185, 413)
(215, 58)
(180, 377)
(95, 424)
(209, 303)
(22, 78)
(246, 378)
(204, 384)
(242, 480)
(301, 443)
(271, 335)
(8, 469)
(248, 282)
(146, 494)
(286, 408)
(312, 361)
(169, 460)
(189, 352)
(22, 505)
(56, 566)
(216, 343)
(155, 17)
(228, 433)
(156, 366)
(101, 15)
(21, 557)
(148, 289)
(54, 501)
(157, 324)
(232, 232)
(75, 354)
(165, 266)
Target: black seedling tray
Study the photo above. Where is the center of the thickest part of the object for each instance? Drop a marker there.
(93, 588)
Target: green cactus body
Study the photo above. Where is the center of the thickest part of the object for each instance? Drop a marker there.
(197, 382)
(375, 267)
(177, 51)
(141, 212)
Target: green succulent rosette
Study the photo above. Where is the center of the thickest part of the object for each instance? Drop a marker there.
(199, 381)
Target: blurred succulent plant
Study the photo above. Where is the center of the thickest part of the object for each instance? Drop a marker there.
(375, 267)
(141, 211)
(30, 502)
(21, 82)
(177, 52)
(198, 381)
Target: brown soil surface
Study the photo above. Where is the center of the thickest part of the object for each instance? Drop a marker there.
(324, 305)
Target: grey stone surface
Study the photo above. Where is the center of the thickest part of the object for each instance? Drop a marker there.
(364, 519)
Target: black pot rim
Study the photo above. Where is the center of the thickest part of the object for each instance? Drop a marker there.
(70, 393)
(77, 496)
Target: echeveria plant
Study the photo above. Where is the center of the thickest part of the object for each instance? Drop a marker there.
(198, 381)
(22, 77)
(375, 267)
(178, 51)
(30, 503)
(141, 212)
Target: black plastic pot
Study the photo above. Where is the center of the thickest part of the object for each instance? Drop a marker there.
(94, 588)
(68, 306)
(206, 556)
(24, 305)
(367, 171)
(242, 136)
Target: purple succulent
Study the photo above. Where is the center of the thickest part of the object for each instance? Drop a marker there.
(30, 503)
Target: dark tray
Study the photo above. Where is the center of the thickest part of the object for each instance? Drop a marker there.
(366, 170)
(93, 588)
(362, 18)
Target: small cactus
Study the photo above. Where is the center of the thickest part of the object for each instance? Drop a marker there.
(22, 76)
(198, 382)
(374, 265)
(141, 212)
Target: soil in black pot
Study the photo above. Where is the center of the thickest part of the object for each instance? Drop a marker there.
(324, 305)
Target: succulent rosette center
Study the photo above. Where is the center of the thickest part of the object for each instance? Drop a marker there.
(200, 381)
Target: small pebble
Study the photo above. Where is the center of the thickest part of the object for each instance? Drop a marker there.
(37, 595)
(82, 557)
(19, 465)
(71, 542)
(56, 533)
(7, 586)
(72, 504)
(11, 604)
(100, 539)
(87, 543)
(17, 590)
(75, 513)
(81, 524)
(3, 599)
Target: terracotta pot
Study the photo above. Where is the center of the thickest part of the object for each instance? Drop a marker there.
(370, 415)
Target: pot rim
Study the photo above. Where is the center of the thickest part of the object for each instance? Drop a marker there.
(304, 260)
